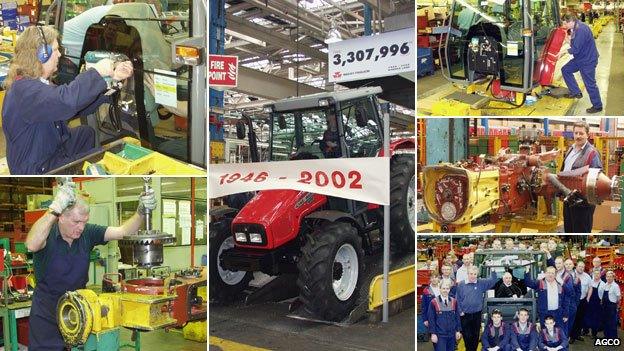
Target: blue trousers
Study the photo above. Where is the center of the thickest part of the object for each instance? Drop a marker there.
(570, 322)
(445, 343)
(588, 74)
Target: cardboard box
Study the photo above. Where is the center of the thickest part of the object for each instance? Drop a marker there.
(607, 216)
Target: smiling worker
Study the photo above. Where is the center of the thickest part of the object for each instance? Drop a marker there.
(62, 241)
(35, 111)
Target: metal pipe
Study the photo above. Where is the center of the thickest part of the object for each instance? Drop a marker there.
(148, 212)
(193, 229)
(386, 232)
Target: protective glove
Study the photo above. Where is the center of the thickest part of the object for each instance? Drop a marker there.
(105, 67)
(147, 201)
(65, 197)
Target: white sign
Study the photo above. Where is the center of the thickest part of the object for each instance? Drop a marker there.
(373, 56)
(363, 179)
(165, 88)
(512, 48)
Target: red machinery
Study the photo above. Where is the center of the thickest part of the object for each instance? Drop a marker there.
(507, 185)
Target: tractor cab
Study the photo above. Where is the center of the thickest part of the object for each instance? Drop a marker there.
(514, 262)
(505, 41)
(326, 125)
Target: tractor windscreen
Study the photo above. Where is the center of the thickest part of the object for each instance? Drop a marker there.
(303, 134)
(494, 37)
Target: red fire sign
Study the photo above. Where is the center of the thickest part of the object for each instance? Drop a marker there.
(223, 71)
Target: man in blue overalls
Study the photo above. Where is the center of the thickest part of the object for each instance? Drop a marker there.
(443, 318)
(610, 296)
(552, 338)
(523, 335)
(495, 335)
(585, 59)
(552, 297)
(62, 241)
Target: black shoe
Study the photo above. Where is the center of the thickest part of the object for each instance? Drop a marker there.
(593, 109)
(570, 96)
(580, 338)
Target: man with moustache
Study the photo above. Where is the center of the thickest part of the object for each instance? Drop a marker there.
(579, 218)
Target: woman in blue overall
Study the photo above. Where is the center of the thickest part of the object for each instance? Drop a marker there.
(593, 321)
(62, 241)
(444, 323)
(610, 297)
(35, 111)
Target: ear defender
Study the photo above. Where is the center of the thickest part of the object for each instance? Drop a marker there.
(44, 52)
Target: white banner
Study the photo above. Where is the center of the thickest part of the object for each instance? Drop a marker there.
(363, 179)
(372, 56)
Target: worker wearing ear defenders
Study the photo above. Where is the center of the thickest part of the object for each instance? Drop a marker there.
(35, 111)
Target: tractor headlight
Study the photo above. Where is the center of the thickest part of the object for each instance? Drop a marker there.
(255, 238)
(448, 211)
(240, 237)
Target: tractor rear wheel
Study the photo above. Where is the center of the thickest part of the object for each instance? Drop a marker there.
(402, 202)
(330, 271)
(225, 286)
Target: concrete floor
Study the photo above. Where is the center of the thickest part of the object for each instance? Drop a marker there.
(588, 344)
(609, 77)
(266, 326)
(162, 340)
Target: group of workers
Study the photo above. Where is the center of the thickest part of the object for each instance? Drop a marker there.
(453, 303)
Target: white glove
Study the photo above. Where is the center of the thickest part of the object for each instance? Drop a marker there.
(105, 67)
(65, 197)
(147, 200)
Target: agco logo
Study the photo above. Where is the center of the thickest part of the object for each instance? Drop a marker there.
(607, 342)
(337, 74)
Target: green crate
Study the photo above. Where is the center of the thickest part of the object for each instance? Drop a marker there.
(20, 248)
(483, 142)
(133, 152)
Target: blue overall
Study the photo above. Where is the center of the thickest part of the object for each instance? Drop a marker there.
(525, 340)
(593, 320)
(583, 48)
(427, 296)
(488, 338)
(568, 288)
(58, 268)
(35, 117)
(574, 302)
(542, 300)
(444, 323)
(610, 316)
(559, 339)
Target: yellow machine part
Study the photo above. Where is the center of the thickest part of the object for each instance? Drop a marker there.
(196, 331)
(75, 315)
(401, 283)
(482, 190)
(447, 107)
(146, 312)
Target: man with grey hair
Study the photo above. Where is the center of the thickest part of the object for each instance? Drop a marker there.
(62, 241)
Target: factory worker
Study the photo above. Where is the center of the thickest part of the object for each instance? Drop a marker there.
(610, 296)
(62, 241)
(430, 292)
(470, 301)
(495, 335)
(35, 111)
(552, 297)
(462, 272)
(593, 319)
(552, 338)
(443, 317)
(597, 266)
(575, 293)
(582, 281)
(565, 279)
(447, 275)
(508, 288)
(523, 334)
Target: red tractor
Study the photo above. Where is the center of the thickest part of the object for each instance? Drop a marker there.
(321, 238)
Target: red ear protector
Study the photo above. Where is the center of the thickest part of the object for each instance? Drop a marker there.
(44, 52)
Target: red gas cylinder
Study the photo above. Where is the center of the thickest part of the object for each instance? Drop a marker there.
(550, 55)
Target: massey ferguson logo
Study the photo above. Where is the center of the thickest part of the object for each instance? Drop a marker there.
(607, 342)
(337, 75)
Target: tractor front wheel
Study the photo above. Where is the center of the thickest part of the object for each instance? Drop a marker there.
(225, 286)
(330, 271)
